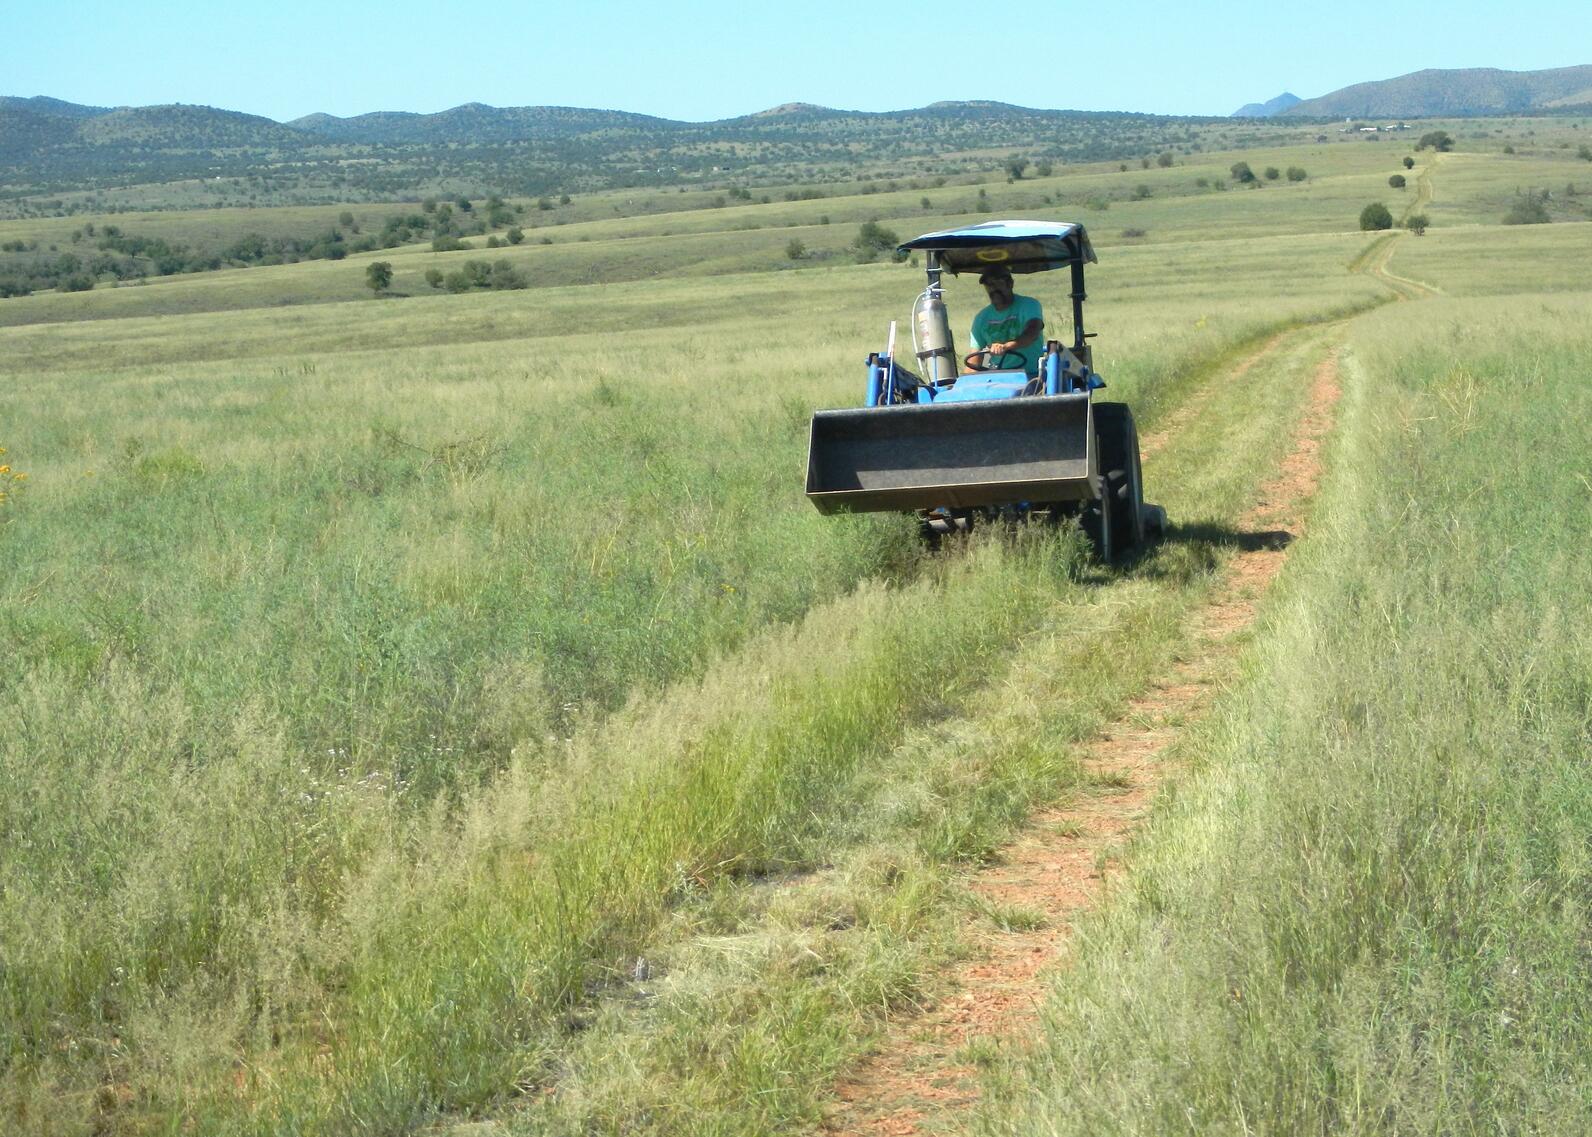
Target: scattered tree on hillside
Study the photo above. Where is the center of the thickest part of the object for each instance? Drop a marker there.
(479, 274)
(1439, 140)
(1584, 153)
(378, 276)
(1015, 165)
(873, 241)
(515, 235)
(795, 250)
(1272, 173)
(1242, 173)
(1375, 216)
(1297, 174)
(1164, 159)
(1409, 163)
(434, 277)
(1044, 169)
(1397, 181)
(1416, 223)
(498, 213)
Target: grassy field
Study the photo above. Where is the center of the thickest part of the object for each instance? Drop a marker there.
(444, 707)
(1366, 910)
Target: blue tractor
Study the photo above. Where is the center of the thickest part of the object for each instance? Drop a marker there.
(994, 441)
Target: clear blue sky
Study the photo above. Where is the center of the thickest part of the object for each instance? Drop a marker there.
(718, 59)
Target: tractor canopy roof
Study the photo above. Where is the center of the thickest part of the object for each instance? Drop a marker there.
(1022, 246)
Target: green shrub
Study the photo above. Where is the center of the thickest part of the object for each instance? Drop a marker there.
(1375, 216)
(1529, 208)
(873, 241)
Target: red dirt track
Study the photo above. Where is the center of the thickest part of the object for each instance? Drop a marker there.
(1062, 865)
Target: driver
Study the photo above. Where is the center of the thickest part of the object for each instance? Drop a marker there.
(1009, 324)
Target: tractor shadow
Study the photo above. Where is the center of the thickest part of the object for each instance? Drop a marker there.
(1188, 551)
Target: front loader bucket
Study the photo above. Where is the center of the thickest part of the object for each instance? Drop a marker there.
(959, 455)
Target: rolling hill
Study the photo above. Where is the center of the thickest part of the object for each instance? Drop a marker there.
(1469, 91)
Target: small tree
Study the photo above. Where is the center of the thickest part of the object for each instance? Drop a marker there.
(1297, 174)
(378, 276)
(1530, 208)
(1164, 159)
(795, 250)
(1438, 140)
(1044, 169)
(1375, 216)
(1141, 192)
(1409, 163)
(434, 277)
(1584, 153)
(506, 276)
(872, 241)
(1397, 181)
(1015, 165)
(1416, 223)
(1242, 173)
(515, 235)
(1272, 173)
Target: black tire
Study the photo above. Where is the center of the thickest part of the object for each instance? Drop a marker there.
(1117, 454)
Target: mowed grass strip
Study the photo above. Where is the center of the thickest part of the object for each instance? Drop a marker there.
(1368, 912)
(754, 992)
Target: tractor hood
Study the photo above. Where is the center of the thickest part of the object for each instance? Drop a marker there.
(1022, 246)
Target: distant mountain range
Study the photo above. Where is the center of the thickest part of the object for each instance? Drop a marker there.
(1471, 91)
(1271, 107)
(48, 146)
(30, 125)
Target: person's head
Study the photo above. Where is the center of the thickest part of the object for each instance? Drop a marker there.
(997, 284)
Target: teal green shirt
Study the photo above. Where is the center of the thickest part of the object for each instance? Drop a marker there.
(990, 326)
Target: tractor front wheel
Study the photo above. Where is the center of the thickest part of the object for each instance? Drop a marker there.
(1119, 522)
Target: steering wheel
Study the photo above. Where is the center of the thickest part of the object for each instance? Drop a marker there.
(983, 357)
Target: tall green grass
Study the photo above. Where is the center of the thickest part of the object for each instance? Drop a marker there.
(309, 654)
(1368, 909)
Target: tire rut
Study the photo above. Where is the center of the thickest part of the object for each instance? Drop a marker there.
(921, 1077)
